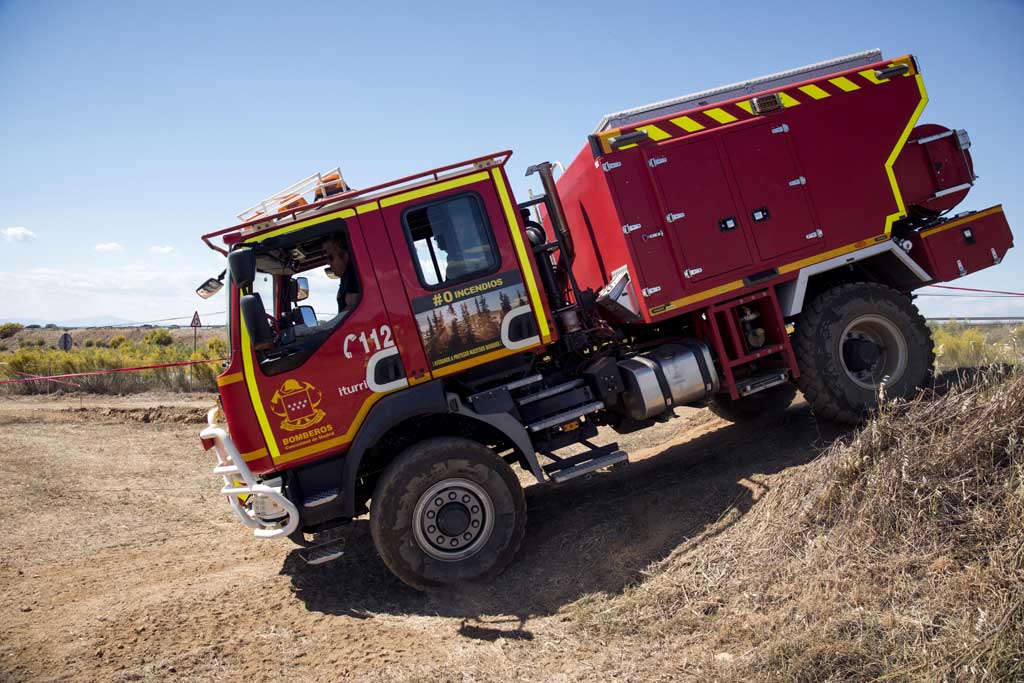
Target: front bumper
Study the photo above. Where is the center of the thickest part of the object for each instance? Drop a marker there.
(232, 467)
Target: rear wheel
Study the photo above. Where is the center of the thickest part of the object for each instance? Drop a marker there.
(853, 338)
(447, 510)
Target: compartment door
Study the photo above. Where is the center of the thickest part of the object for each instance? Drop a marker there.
(699, 210)
(773, 191)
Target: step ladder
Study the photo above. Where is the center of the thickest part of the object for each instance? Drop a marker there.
(594, 459)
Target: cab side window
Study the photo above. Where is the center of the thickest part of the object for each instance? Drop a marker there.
(451, 240)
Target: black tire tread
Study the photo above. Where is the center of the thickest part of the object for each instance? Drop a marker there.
(434, 452)
(806, 343)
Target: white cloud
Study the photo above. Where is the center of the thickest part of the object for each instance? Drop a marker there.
(164, 249)
(18, 233)
(108, 247)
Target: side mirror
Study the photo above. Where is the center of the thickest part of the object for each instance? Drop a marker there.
(209, 288)
(308, 316)
(242, 264)
(254, 317)
(300, 289)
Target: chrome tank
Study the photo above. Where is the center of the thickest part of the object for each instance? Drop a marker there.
(670, 375)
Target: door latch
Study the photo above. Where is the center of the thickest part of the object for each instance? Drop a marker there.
(630, 227)
(673, 217)
(784, 128)
(609, 165)
(814, 235)
(690, 272)
(796, 182)
(654, 162)
(647, 291)
(654, 235)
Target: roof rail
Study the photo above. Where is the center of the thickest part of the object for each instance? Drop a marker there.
(289, 211)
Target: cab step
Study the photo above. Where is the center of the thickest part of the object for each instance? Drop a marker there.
(752, 385)
(324, 552)
(567, 416)
(586, 463)
(321, 498)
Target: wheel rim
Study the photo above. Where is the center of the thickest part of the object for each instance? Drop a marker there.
(453, 519)
(873, 349)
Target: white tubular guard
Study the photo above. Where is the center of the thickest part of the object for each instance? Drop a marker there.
(229, 464)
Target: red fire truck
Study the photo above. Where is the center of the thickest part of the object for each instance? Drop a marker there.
(716, 249)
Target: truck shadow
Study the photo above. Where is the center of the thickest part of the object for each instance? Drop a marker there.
(593, 536)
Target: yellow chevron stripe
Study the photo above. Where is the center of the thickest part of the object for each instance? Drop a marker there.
(654, 133)
(869, 75)
(720, 115)
(745, 106)
(687, 124)
(788, 100)
(814, 91)
(844, 84)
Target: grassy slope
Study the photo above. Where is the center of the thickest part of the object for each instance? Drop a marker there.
(895, 556)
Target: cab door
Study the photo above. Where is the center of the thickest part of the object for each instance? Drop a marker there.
(310, 395)
(466, 274)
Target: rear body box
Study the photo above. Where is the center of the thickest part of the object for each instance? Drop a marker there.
(963, 245)
(702, 203)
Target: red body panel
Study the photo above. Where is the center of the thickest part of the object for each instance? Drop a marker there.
(820, 166)
(963, 245)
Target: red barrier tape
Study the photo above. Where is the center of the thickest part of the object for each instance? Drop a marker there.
(984, 291)
(113, 370)
(40, 377)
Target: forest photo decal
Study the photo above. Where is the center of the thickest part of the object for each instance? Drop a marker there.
(466, 321)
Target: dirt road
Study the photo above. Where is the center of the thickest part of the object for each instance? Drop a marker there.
(121, 563)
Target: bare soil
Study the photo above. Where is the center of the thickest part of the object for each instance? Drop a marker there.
(120, 562)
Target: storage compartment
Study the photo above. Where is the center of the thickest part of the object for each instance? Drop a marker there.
(963, 245)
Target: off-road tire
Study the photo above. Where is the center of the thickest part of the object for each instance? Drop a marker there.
(818, 339)
(772, 401)
(410, 476)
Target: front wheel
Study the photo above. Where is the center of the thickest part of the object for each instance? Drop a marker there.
(853, 338)
(447, 510)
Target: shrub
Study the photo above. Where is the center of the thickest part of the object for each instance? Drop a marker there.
(8, 330)
(158, 337)
(117, 342)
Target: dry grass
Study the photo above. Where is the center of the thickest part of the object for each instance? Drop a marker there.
(896, 556)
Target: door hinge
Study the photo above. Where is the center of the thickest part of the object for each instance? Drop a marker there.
(960, 267)
(673, 217)
(609, 165)
(798, 181)
(814, 235)
(647, 291)
(995, 257)
(654, 235)
(630, 227)
(784, 128)
(690, 272)
(656, 161)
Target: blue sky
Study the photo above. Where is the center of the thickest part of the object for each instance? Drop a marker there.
(128, 129)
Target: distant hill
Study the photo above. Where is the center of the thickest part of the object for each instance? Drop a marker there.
(99, 321)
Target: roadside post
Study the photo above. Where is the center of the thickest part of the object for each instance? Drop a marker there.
(196, 324)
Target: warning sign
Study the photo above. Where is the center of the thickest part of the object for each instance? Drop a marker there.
(195, 320)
